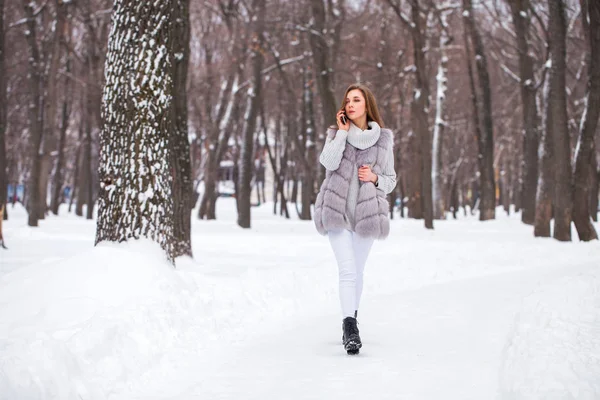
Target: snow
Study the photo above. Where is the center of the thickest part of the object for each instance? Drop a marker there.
(472, 310)
(554, 346)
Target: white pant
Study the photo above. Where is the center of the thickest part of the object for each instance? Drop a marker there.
(351, 251)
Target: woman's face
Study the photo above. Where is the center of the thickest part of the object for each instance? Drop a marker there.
(355, 105)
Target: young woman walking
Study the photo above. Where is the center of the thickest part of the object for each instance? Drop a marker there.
(351, 207)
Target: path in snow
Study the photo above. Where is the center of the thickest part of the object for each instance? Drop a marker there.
(442, 341)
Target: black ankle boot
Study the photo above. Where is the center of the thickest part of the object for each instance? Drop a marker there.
(351, 337)
(355, 317)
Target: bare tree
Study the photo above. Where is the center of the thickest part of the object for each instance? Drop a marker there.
(586, 151)
(50, 100)
(3, 180)
(421, 183)
(521, 20)
(486, 138)
(135, 169)
(545, 187)
(180, 146)
(323, 55)
(560, 133)
(440, 123)
(57, 181)
(35, 113)
(252, 111)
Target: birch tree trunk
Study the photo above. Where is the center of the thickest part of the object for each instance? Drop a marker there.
(438, 132)
(585, 153)
(135, 163)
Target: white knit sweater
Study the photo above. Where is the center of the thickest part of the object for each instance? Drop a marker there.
(332, 153)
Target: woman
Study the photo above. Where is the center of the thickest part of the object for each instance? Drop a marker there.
(351, 207)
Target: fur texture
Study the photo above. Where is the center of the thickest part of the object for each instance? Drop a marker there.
(372, 207)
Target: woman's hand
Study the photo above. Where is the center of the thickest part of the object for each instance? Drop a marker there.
(366, 175)
(338, 119)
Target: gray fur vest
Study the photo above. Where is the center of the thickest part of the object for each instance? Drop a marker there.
(372, 207)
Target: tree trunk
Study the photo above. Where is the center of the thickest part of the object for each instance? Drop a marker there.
(585, 153)
(529, 163)
(75, 187)
(563, 202)
(35, 116)
(439, 207)
(545, 187)
(87, 171)
(595, 180)
(57, 182)
(247, 152)
(310, 151)
(49, 142)
(594, 193)
(487, 207)
(180, 147)
(421, 105)
(135, 162)
(84, 162)
(3, 163)
(323, 68)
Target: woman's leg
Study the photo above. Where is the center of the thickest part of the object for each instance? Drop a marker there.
(341, 243)
(362, 247)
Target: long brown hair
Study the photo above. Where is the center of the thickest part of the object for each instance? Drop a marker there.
(370, 103)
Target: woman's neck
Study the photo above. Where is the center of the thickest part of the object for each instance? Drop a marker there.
(361, 123)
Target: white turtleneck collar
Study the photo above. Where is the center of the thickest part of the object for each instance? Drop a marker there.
(363, 139)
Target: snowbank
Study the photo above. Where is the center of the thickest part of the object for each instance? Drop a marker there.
(92, 326)
(553, 351)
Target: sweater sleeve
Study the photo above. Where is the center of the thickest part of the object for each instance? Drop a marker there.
(332, 153)
(386, 181)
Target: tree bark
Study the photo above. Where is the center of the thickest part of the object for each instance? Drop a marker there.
(3, 163)
(247, 153)
(439, 206)
(35, 115)
(310, 151)
(420, 108)
(585, 154)
(135, 162)
(227, 112)
(563, 202)
(49, 142)
(322, 61)
(529, 163)
(595, 192)
(57, 182)
(180, 147)
(545, 186)
(487, 205)
(87, 162)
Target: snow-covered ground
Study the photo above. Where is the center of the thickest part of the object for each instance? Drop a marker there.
(470, 310)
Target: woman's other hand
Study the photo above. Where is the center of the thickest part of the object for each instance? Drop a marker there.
(366, 175)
